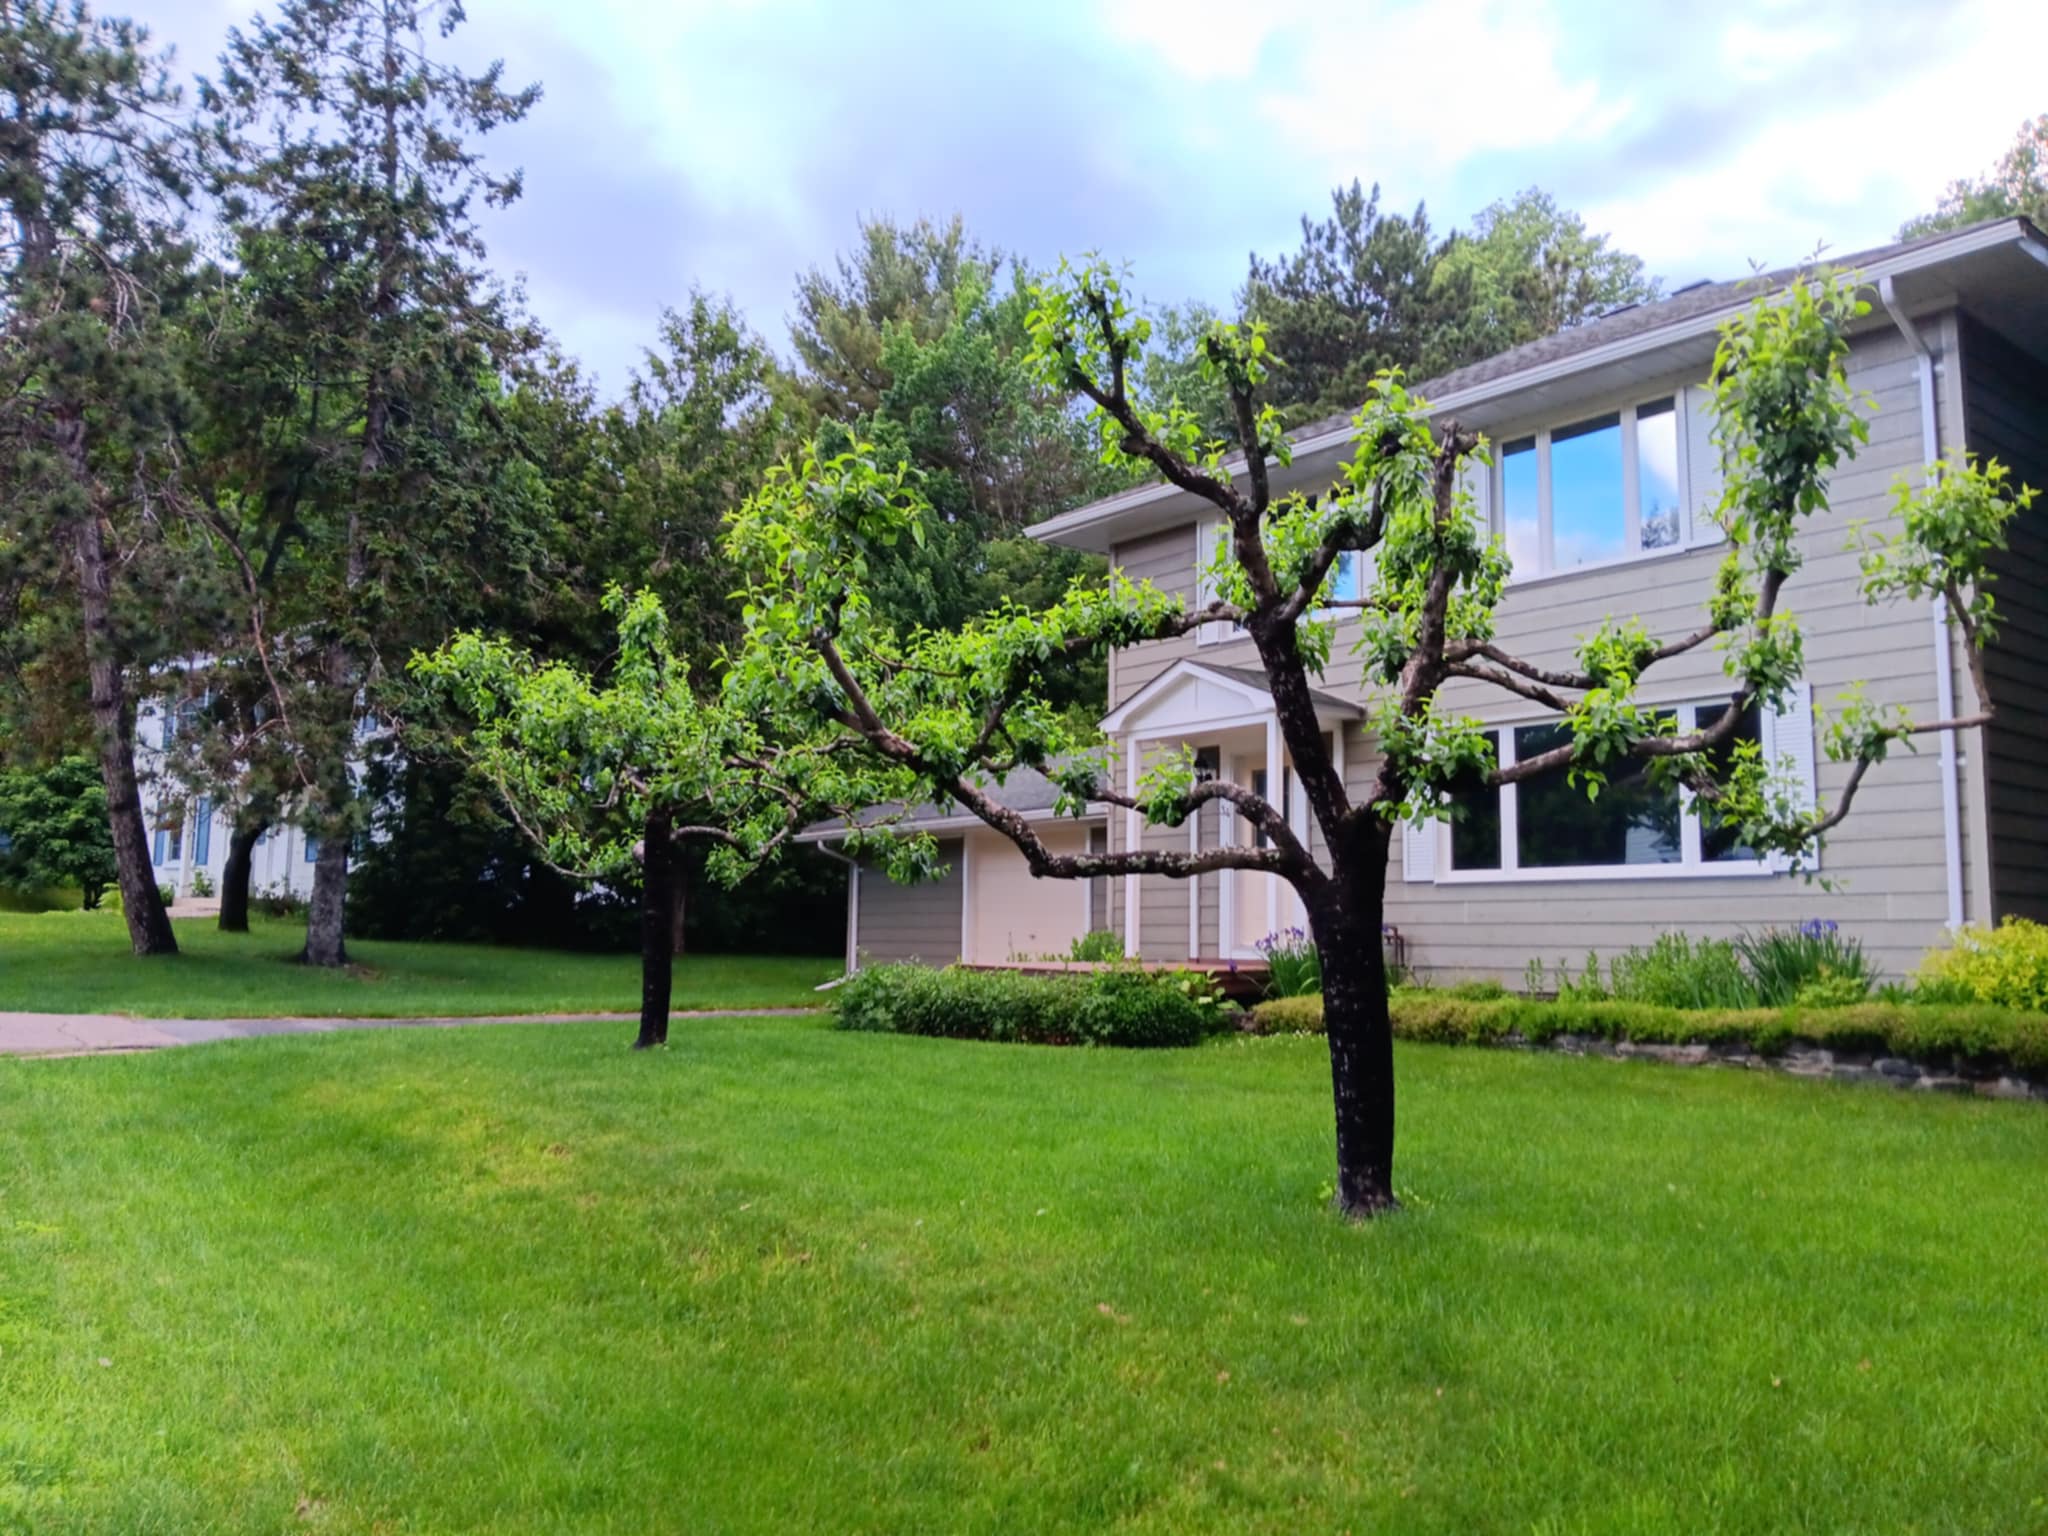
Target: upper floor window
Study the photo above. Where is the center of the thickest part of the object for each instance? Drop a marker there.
(1596, 491)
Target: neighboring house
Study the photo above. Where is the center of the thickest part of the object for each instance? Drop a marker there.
(1602, 485)
(189, 835)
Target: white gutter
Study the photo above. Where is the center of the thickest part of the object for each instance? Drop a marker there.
(818, 837)
(1944, 648)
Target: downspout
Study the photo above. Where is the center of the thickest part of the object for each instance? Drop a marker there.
(852, 910)
(1944, 648)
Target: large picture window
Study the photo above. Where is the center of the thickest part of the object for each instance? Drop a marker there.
(1593, 492)
(1548, 827)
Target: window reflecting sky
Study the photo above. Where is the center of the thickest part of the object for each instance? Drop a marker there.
(1657, 473)
(1587, 519)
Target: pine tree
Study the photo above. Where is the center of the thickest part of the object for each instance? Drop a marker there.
(90, 177)
(361, 392)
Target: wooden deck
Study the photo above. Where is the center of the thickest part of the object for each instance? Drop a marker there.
(1242, 981)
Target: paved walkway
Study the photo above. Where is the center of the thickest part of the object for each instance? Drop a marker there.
(81, 1034)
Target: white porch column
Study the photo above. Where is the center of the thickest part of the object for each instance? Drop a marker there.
(1133, 833)
(1276, 793)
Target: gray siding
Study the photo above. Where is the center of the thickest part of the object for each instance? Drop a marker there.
(912, 922)
(1887, 859)
(2005, 416)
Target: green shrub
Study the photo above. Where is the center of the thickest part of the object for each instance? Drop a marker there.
(167, 893)
(1475, 991)
(2006, 966)
(1918, 1032)
(202, 883)
(1121, 1006)
(1289, 1016)
(1679, 972)
(1832, 991)
(1099, 945)
(1784, 961)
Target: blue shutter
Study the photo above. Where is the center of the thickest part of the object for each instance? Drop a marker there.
(202, 833)
(158, 856)
(312, 848)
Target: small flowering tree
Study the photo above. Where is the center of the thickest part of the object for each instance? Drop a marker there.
(954, 712)
(602, 777)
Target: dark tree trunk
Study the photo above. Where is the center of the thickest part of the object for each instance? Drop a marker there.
(325, 912)
(659, 921)
(1356, 1018)
(149, 925)
(680, 884)
(234, 876)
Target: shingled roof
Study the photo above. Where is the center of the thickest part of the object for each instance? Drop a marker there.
(1633, 320)
(1023, 789)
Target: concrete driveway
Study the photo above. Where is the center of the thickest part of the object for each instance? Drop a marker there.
(82, 1034)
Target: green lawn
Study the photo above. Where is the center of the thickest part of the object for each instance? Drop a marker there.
(79, 962)
(778, 1278)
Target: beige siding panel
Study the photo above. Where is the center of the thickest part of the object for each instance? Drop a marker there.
(912, 922)
(2005, 405)
(1014, 916)
(1887, 859)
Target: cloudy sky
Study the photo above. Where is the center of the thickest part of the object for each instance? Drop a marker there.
(732, 144)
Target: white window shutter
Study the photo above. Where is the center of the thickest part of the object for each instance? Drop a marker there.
(1418, 851)
(1789, 750)
(1702, 465)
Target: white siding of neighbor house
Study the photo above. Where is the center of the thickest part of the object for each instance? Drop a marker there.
(277, 865)
(1887, 859)
(912, 922)
(2005, 410)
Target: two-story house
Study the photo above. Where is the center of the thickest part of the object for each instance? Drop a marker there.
(1602, 484)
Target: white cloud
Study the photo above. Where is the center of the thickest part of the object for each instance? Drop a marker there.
(1847, 172)
(1421, 87)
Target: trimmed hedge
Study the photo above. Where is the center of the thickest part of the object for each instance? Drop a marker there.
(1115, 1006)
(1920, 1032)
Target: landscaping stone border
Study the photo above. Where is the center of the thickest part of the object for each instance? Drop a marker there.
(1953, 1076)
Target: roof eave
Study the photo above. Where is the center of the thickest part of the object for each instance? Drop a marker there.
(1090, 527)
(1097, 811)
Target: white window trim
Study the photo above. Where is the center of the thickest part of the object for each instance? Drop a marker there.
(1695, 531)
(1690, 866)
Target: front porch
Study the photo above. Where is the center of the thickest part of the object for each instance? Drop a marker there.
(1225, 716)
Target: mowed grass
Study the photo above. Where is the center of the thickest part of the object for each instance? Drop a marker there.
(79, 962)
(778, 1278)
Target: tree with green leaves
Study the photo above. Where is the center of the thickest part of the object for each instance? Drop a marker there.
(955, 711)
(613, 778)
(2017, 187)
(361, 480)
(1357, 298)
(53, 829)
(1368, 291)
(899, 277)
(1529, 269)
(91, 180)
(920, 348)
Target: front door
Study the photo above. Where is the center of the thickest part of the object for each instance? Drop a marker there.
(1254, 913)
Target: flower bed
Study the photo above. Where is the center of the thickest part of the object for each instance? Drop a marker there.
(1960, 1046)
